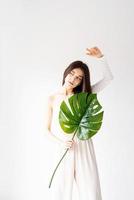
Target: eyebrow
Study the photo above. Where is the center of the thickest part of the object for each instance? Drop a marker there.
(79, 75)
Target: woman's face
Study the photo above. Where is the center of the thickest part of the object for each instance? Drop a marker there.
(74, 78)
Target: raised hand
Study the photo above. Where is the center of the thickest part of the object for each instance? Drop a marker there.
(94, 51)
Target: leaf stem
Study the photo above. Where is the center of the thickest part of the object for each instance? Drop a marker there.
(60, 162)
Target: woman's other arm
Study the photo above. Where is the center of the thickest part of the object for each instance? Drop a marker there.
(107, 76)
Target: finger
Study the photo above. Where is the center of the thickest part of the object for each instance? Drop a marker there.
(92, 53)
(95, 51)
(69, 142)
(89, 52)
(69, 147)
(91, 49)
(87, 49)
(96, 48)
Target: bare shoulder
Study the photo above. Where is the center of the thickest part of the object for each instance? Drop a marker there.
(52, 97)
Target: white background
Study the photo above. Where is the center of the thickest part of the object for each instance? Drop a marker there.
(38, 40)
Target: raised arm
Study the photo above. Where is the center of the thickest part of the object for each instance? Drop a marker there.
(107, 76)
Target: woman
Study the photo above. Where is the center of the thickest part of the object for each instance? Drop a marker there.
(79, 164)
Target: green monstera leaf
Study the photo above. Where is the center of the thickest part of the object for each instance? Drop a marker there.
(81, 115)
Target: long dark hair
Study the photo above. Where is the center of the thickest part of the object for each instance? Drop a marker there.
(85, 85)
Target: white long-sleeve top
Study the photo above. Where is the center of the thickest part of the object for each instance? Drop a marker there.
(107, 76)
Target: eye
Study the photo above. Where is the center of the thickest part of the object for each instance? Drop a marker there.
(78, 78)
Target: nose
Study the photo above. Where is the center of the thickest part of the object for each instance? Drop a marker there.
(72, 79)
